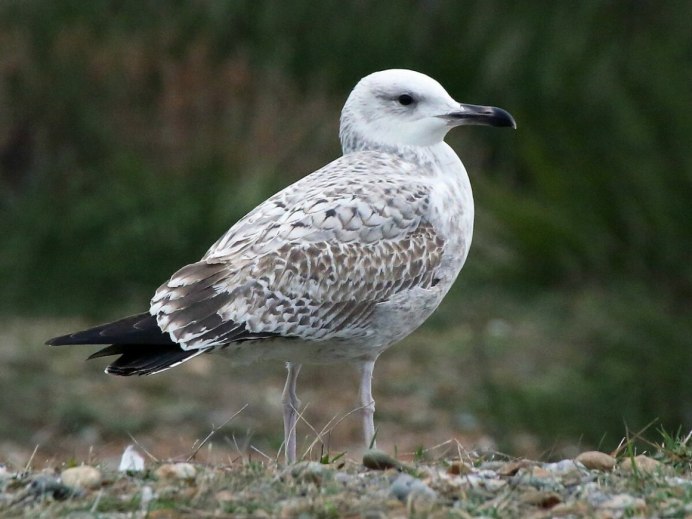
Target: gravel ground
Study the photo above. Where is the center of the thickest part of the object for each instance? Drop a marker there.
(594, 484)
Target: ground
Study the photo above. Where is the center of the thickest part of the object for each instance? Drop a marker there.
(446, 481)
(210, 437)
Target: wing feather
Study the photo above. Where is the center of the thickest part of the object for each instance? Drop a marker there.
(312, 262)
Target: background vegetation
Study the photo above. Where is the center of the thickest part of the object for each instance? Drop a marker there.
(132, 134)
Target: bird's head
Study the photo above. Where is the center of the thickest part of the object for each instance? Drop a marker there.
(402, 107)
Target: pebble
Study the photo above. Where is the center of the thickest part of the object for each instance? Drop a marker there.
(573, 509)
(83, 476)
(625, 502)
(486, 479)
(493, 465)
(537, 477)
(486, 474)
(542, 499)
(593, 493)
(44, 484)
(595, 460)
(458, 468)
(181, 471)
(493, 485)
(376, 459)
(512, 467)
(131, 460)
(535, 472)
(473, 480)
(310, 472)
(642, 464)
(405, 486)
(563, 467)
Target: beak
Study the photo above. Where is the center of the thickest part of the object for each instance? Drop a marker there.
(479, 115)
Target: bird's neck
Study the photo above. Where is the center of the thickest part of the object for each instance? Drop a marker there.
(435, 157)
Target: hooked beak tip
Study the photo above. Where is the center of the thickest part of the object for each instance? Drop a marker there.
(481, 115)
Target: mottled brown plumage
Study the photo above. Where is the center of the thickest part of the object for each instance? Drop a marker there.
(309, 262)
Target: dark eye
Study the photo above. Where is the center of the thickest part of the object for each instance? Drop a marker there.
(405, 99)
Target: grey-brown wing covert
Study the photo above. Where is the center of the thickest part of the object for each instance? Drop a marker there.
(312, 261)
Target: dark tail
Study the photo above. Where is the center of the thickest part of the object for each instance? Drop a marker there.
(135, 329)
(143, 348)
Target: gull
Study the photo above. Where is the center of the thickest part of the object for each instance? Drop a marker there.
(336, 267)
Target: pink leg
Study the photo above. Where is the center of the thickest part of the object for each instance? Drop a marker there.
(291, 404)
(367, 402)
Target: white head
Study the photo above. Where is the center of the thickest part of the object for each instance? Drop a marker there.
(402, 107)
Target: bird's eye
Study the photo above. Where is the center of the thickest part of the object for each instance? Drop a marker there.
(405, 99)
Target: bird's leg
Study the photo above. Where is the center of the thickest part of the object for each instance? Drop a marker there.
(291, 404)
(367, 402)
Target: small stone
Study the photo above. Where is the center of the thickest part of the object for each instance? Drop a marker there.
(493, 485)
(642, 464)
(309, 472)
(512, 467)
(537, 477)
(486, 474)
(131, 460)
(542, 499)
(595, 460)
(405, 486)
(181, 471)
(563, 467)
(376, 459)
(492, 465)
(81, 477)
(45, 484)
(625, 502)
(459, 468)
(539, 472)
(473, 480)
(593, 493)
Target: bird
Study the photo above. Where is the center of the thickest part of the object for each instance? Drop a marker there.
(336, 267)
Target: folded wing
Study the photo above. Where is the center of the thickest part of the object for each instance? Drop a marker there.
(312, 262)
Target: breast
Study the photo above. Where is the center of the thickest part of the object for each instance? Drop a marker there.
(452, 213)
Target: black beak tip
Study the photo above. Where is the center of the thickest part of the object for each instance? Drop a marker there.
(483, 116)
(503, 118)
